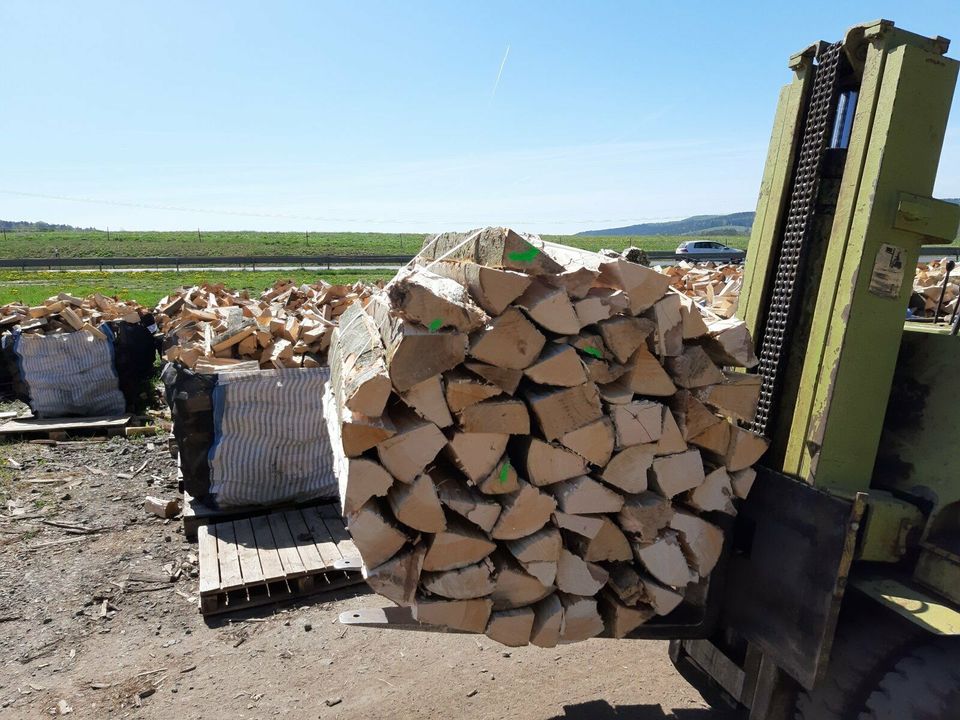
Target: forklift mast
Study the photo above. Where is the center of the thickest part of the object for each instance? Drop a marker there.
(842, 496)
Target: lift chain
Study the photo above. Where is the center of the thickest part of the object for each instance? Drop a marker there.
(781, 312)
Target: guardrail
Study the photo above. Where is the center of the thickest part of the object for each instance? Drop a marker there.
(321, 261)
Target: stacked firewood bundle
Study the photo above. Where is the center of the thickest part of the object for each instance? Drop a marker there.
(65, 313)
(931, 281)
(537, 442)
(713, 285)
(210, 328)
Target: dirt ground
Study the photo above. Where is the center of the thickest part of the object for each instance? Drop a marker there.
(91, 625)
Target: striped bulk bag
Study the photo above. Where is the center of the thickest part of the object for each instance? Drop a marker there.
(69, 374)
(270, 443)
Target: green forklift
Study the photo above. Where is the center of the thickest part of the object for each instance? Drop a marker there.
(837, 595)
(842, 591)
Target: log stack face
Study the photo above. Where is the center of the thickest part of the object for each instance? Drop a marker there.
(554, 445)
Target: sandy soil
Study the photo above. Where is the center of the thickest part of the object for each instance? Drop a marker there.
(92, 627)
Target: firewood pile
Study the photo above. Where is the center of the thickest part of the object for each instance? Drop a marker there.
(715, 286)
(210, 328)
(537, 442)
(928, 284)
(65, 313)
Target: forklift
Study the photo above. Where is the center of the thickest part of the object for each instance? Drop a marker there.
(842, 592)
(837, 595)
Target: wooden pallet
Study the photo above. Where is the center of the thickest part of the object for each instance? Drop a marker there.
(275, 557)
(62, 428)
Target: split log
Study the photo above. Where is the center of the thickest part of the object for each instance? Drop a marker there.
(476, 455)
(729, 343)
(692, 416)
(417, 506)
(464, 390)
(586, 525)
(433, 301)
(645, 376)
(461, 544)
(666, 314)
(504, 378)
(397, 579)
(502, 480)
(714, 495)
(558, 365)
(585, 496)
(621, 620)
(693, 325)
(581, 621)
(515, 587)
(623, 334)
(547, 622)
(524, 512)
(671, 475)
(605, 373)
(465, 615)
(645, 515)
(358, 366)
(550, 308)
(542, 570)
(693, 368)
(415, 444)
(376, 535)
(495, 416)
(662, 599)
(593, 442)
(541, 546)
(494, 247)
(608, 545)
(544, 463)
(637, 422)
(360, 480)
(625, 584)
(466, 583)
(414, 353)
(579, 577)
(627, 470)
(664, 559)
(558, 411)
(600, 304)
(715, 439)
(511, 627)
(702, 541)
(465, 501)
(491, 289)
(508, 341)
(744, 450)
(736, 396)
(742, 481)
(427, 400)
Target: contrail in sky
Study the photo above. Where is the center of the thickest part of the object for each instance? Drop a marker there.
(502, 63)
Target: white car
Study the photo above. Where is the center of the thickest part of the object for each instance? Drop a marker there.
(711, 248)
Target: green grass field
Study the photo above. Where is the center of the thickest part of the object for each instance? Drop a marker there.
(81, 243)
(148, 287)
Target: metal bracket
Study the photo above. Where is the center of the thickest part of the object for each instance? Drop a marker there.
(927, 216)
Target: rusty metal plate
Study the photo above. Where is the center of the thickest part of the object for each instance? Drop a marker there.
(788, 569)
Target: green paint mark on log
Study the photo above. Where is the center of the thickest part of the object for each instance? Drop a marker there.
(504, 472)
(435, 325)
(596, 352)
(525, 256)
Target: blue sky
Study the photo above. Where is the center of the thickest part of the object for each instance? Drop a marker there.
(383, 116)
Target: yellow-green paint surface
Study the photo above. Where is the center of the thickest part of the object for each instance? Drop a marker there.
(918, 606)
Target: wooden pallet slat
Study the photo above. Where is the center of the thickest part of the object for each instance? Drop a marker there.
(247, 552)
(338, 530)
(322, 538)
(286, 547)
(304, 539)
(266, 547)
(228, 558)
(209, 561)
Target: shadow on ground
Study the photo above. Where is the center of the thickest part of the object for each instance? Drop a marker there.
(602, 710)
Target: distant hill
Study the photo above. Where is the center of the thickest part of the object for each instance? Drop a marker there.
(35, 226)
(732, 224)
